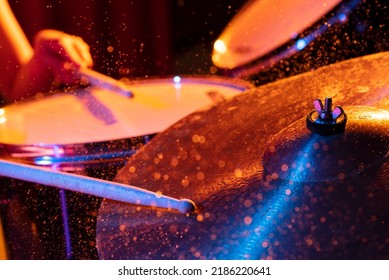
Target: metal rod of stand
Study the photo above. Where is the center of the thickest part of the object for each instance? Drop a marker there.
(66, 227)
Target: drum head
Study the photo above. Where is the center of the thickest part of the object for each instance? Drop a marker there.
(92, 114)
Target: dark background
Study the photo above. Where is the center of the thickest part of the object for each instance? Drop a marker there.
(147, 37)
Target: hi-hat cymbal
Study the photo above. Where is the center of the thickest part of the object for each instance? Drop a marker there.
(266, 187)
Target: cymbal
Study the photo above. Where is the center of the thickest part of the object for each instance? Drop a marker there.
(246, 38)
(265, 186)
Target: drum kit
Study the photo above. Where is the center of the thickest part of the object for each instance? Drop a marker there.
(213, 167)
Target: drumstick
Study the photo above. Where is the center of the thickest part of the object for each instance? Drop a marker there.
(100, 80)
(97, 187)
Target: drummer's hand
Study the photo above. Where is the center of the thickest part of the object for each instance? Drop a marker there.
(62, 53)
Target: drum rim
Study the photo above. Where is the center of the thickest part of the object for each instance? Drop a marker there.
(73, 154)
(232, 82)
(293, 46)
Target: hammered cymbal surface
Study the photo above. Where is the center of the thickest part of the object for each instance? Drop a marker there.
(216, 158)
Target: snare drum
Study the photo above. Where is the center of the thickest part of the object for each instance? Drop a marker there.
(272, 39)
(93, 131)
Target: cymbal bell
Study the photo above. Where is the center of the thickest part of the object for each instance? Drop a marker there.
(235, 161)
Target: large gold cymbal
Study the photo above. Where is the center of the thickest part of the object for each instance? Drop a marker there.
(249, 204)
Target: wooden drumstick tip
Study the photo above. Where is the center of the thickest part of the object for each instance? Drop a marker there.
(89, 76)
(187, 206)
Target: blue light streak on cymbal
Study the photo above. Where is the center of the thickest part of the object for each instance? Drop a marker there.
(267, 218)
